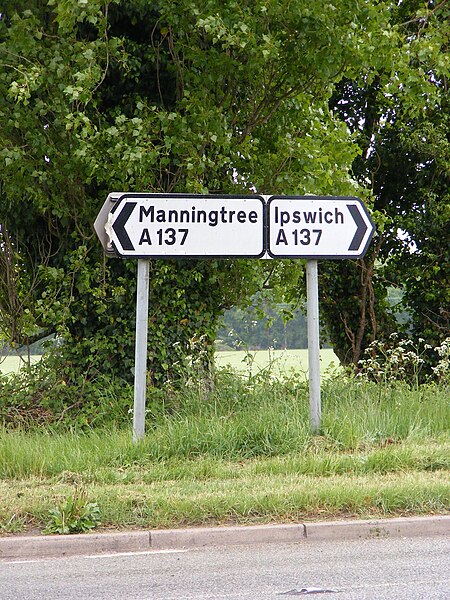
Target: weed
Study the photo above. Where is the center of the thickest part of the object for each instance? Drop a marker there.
(397, 359)
(74, 515)
(442, 369)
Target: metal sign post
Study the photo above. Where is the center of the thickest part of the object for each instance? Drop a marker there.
(140, 357)
(316, 227)
(312, 306)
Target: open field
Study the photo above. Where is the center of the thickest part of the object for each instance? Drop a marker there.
(11, 364)
(279, 362)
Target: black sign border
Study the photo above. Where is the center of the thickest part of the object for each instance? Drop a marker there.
(265, 238)
(352, 199)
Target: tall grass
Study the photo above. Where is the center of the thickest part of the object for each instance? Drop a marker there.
(357, 413)
(240, 420)
(111, 457)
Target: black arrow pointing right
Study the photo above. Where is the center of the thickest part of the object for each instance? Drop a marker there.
(119, 225)
(361, 227)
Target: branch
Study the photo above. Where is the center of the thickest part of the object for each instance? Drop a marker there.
(419, 19)
(105, 70)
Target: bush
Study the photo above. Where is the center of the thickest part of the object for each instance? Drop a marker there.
(400, 359)
(45, 394)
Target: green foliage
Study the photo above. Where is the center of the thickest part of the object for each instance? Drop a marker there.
(400, 118)
(320, 482)
(14, 524)
(395, 360)
(354, 305)
(74, 515)
(383, 447)
(179, 96)
(442, 369)
(187, 96)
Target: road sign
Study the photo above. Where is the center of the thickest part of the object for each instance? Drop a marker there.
(185, 226)
(318, 227)
(102, 219)
(147, 226)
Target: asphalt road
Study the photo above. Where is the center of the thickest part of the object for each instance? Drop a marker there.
(394, 569)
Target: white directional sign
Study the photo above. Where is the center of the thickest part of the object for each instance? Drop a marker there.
(147, 226)
(194, 226)
(318, 227)
(177, 225)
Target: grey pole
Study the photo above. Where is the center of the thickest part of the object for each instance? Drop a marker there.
(140, 357)
(312, 304)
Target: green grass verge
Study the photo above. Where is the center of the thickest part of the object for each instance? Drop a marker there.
(248, 497)
(279, 362)
(242, 453)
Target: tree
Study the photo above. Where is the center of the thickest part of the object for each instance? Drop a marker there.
(401, 119)
(160, 97)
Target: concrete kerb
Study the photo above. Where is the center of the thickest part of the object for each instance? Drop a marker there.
(383, 528)
(44, 546)
(33, 547)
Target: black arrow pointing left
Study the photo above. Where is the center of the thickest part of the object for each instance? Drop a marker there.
(119, 225)
(361, 227)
